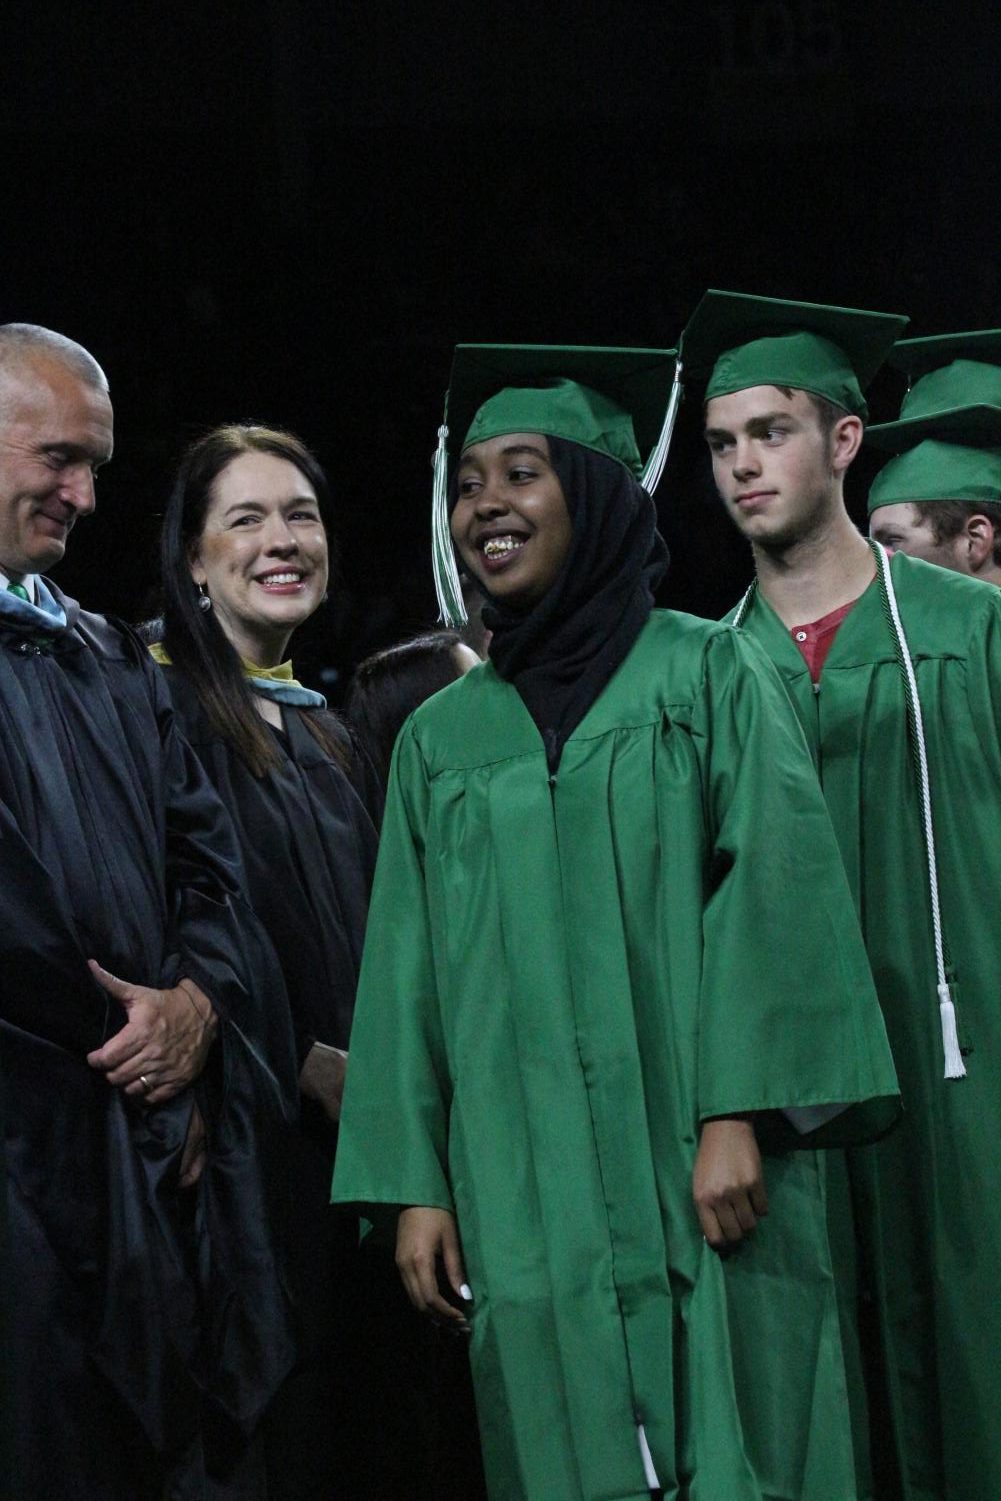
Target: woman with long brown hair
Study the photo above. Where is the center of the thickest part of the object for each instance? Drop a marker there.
(244, 564)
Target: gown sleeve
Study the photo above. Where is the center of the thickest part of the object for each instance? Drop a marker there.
(392, 1149)
(214, 937)
(983, 679)
(45, 987)
(789, 1018)
(248, 1094)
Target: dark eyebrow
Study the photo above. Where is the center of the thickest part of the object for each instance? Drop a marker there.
(243, 505)
(769, 419)
(524, 448)
(259, 505)
(508, 451)
(754, 425)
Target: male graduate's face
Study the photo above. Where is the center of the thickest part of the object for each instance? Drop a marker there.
(55, 433)
(510, 524)
(262, 553)
(776, 467)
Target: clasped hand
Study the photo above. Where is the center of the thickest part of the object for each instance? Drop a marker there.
(164, 1043)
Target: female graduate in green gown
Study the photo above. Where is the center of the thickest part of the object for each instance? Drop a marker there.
(611, 965)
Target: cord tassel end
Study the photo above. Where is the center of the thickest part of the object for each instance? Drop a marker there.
(955, 1068)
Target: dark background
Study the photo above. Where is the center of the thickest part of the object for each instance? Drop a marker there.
(290, 210)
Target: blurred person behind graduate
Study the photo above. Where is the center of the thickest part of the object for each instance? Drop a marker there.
(390, 684)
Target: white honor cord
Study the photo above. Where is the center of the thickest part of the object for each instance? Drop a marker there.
(745, 605)
(954, 1065)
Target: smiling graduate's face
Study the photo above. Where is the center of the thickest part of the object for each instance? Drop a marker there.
(510, 523)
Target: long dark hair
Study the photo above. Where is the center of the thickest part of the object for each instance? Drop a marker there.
(390, 684)
(194, 639)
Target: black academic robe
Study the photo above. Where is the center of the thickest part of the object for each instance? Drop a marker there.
(307, 832)
(132, 1300)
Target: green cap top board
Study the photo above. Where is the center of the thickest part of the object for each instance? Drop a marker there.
(917, 357)
(618, 402)
(734, 341)
(938, 471)
(954, 391)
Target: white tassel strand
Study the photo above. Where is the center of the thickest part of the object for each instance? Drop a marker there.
(447, 586)
(658, 458)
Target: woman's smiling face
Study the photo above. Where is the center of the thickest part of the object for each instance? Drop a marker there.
(510, 523)
(262, 553)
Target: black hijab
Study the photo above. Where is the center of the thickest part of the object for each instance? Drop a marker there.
(562, 652)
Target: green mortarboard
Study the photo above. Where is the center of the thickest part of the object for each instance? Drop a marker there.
(954, 391)
(735, 341)
(611, 400)
(938, 471)
(618, 402)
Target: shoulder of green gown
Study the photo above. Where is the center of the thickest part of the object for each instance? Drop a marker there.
(943, 612)
(481, 718)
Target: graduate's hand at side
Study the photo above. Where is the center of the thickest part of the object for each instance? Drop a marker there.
(322, 1076)
(164, 1042)
(195, 1149)
(728, 1182)
(425, 1237)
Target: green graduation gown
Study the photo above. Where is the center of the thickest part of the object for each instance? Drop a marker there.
(561, 977)
(926, 1198)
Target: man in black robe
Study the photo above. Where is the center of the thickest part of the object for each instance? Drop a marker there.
(142, 1275)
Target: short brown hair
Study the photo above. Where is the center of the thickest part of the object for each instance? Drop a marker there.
(947, 518)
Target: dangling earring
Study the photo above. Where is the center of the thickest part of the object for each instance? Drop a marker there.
(204, 603)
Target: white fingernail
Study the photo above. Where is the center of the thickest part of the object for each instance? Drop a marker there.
(465, 1291)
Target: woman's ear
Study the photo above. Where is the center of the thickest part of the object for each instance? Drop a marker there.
(195, 566)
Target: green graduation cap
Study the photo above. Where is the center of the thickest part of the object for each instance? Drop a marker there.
(938, 471)
(954, 391)
(734, 341)
(618, 402)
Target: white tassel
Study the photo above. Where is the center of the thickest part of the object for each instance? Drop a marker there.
(655, 463)
(451, 608)
(955, 1068)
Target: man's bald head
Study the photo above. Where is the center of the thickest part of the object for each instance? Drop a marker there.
(23, 345)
